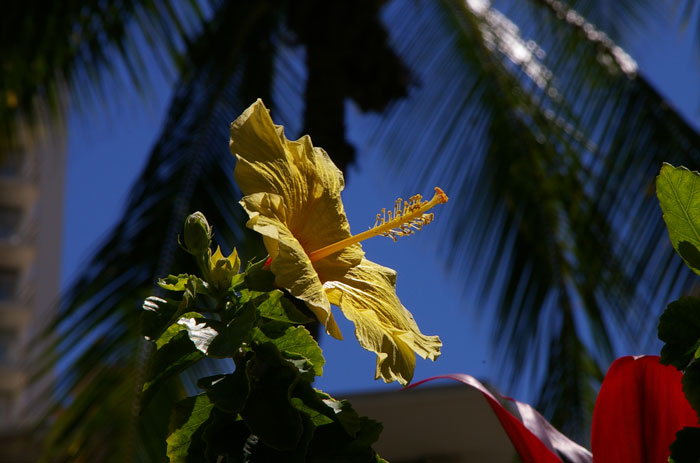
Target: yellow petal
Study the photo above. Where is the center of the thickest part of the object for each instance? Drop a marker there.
(367, 296)
(290, 264)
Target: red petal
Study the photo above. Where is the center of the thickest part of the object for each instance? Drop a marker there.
(530, 448)
(639, 409)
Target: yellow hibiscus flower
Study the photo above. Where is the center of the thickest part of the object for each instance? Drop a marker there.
(292, 197)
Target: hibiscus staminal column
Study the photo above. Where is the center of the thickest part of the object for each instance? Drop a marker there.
(292, 197)
(402, 221)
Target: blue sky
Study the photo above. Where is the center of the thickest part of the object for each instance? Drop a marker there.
(108, 147)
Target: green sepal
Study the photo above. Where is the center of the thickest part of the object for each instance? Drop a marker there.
(185, 443)
(686, 447)
(222, 269)
(678, 190)
(679, 329)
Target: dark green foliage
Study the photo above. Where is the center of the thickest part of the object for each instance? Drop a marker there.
(679, 326)
(185, 439)
(691, 386)
(685, 448)
(679, 329)
(266, 409)
(545, 183)
(178, 354)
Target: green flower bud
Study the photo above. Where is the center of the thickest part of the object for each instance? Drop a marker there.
(223, 269)
(197, 234)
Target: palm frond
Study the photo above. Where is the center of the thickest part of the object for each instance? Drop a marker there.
(243, 53)
(551, 140)
(190, 169)
(55, 54)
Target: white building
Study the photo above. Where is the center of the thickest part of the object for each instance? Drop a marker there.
(452, 424)
(31, 209)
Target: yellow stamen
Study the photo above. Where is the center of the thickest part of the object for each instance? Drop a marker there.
(405, 220)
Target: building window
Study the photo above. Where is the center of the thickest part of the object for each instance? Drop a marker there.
(8, 338)
(10, 218)
(8, 283)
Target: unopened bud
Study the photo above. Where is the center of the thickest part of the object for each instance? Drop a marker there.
(197, 234)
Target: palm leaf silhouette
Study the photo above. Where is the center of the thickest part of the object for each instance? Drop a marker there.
(552, 157)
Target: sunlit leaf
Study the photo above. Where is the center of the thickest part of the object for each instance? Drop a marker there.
(678, 190)
(186, 423)
(277, 307)
(294, 341)
(172, 358)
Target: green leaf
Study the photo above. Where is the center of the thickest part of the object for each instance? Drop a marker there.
(332, 443)
(686, 447)
(317, 417)
(183, 282)
(344, 413)
(277, 307)
(225, 435)
(158, 314)
(218, 339)
(324, 409)
(248, 295)
(234, 333)
(294, 342)
(679, 329)
(259, 452)
(306, 399)
(175, 356)
(691, 386)
(258, 278)
(174, 282)
(201, 331)
(188, 417)
(175, 328)
(268, 411)
(678, 190)
(227, 392)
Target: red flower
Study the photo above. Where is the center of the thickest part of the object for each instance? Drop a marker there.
(639, 410)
